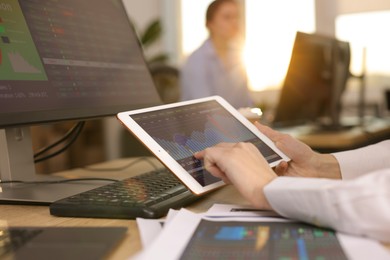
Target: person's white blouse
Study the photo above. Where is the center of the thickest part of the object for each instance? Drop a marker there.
(204, 74)
(359, 204)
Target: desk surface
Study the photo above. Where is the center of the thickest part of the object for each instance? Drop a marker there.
(374, 130)
(17, 215)
(21, 215)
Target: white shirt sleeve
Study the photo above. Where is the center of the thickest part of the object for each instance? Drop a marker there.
(360, 206)
(355, 163)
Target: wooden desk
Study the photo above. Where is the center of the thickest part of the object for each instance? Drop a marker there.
(16, 215)
(373, 131)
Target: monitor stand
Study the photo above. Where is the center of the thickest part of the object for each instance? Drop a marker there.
(17, 164)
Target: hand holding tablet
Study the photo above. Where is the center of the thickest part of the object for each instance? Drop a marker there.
(174, 132)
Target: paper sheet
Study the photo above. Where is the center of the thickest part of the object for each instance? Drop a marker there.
(231, 210)
(149, 229)
(168, 245)
(359, 248)
(173, 239)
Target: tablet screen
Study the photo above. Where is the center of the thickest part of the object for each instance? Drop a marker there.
(187, 129)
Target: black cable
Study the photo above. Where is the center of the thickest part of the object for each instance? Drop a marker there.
(60, 181)
(76, 133)
(138, 160)
(61, 140)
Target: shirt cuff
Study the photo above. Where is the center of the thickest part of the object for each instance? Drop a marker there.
(358, 162)
(301, 199)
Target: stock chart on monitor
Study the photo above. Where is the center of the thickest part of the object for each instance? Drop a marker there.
(184, 130)
(58, 55)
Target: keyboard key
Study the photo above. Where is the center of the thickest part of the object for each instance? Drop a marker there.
(149, 195)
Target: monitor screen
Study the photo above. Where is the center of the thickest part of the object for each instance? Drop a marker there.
(69, 60)
(62, 60)
(316, 78)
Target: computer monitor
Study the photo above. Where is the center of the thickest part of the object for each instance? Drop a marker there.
(62, 60)
(315, 80)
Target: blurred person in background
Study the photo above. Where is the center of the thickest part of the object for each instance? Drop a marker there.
(216, 68)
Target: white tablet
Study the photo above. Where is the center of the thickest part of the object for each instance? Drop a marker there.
(174, 132)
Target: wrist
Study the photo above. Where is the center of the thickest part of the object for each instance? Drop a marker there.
(258, 198)
(327, 166)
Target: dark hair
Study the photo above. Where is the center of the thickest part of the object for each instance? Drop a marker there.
(214, 6)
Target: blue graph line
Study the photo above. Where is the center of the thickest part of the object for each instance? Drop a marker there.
(302, 253)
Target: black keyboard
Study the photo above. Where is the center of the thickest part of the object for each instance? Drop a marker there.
(149, 195)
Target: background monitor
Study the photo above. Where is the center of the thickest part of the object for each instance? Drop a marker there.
(62, 60)
(315, 81)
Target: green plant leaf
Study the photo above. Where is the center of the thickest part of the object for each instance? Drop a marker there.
(152, 33)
